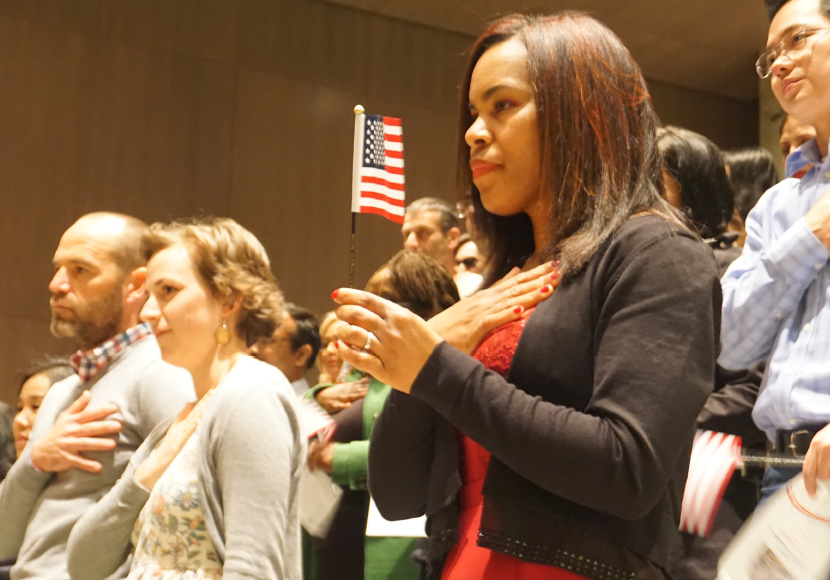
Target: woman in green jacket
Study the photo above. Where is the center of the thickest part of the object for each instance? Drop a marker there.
(424, 287)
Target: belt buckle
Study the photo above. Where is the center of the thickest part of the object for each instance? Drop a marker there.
(793, 447)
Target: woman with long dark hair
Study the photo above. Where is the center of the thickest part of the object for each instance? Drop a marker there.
(751, 172)
(695, 179)
(696, 183)
(560, 448)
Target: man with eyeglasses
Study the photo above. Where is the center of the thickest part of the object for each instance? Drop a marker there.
(776, 296)
(293, 347)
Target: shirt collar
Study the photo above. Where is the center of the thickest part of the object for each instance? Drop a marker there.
(90, 363)
(803, 159)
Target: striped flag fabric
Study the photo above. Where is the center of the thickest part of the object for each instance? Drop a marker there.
(378, 179)
(714, 458)
(314, 421)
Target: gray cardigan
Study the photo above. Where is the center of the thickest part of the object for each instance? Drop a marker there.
(248, 479)
(38, 510)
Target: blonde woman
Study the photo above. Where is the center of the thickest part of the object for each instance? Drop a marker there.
(328, 359)
(214, 494)
(333, 397)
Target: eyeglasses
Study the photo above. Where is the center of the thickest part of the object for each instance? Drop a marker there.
(792, 42)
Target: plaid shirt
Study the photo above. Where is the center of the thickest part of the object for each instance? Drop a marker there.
(88, 364)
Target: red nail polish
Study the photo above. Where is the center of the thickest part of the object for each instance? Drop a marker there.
(518, 309)
(555, 275)
(555, 264)
(334, 294)
(336, 342)
(546, 288)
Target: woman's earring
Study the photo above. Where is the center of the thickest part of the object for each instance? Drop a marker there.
(223, 335)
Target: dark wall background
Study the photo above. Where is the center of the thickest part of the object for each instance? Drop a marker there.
(166, 108)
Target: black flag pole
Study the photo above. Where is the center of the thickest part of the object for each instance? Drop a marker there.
(351, 254)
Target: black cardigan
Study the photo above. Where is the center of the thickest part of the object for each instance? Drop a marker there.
(591, 433)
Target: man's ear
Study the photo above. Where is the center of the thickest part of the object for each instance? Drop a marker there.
(452, 236)
(134, 283)
(301, 356)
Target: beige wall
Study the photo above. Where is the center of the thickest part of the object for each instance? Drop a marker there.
(165, 108)
(729, 124)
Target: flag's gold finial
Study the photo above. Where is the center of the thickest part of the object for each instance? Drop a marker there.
(359, 110)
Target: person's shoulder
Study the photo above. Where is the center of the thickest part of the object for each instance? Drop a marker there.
(786, 185)
(258, 373)
(655, 241)
(144, 375)
(645, 231)
(62, 393)
(57, 399)
(252, 381)
(254, 392)
(65, 386)
(135, 357)
(158, 371)
(142, 360)
(778, 197)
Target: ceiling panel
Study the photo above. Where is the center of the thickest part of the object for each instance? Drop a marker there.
(707, 45)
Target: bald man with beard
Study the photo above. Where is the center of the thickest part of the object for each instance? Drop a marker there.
(90, 424)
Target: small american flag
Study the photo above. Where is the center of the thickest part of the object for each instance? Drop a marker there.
(377, 181)
(714, 458)
(315, 421)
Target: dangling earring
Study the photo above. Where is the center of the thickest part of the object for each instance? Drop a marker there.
(223, 335)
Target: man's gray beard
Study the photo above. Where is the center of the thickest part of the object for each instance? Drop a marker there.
(100, 324)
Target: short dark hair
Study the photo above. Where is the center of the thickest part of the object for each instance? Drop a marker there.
(7, 453)
(56, 369)
(773, 6)
(696, 164)
(308, 330)
(751, 172)
(447, 214)
(423, 285)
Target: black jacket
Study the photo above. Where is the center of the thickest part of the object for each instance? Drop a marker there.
(590, 435)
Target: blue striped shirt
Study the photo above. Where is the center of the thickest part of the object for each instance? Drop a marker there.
(775, 302)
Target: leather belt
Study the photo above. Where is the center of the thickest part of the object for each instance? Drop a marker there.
(792, 442)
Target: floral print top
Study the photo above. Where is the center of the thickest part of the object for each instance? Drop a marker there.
(170, 537)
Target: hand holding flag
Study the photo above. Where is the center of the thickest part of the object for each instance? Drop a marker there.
(715, 456)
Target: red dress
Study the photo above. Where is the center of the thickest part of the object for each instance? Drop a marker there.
(467, 560)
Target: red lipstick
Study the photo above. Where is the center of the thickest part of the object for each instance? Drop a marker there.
(480, 167)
